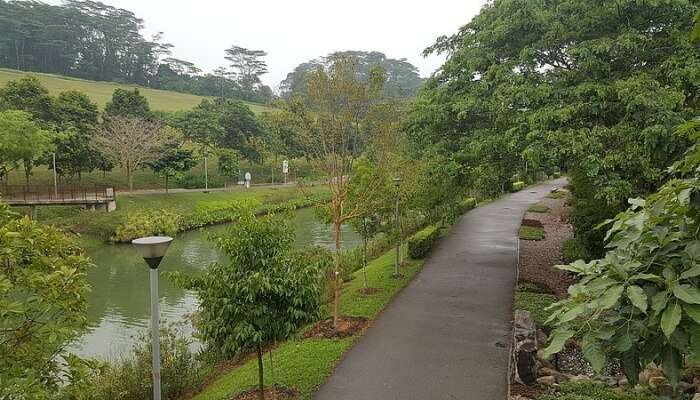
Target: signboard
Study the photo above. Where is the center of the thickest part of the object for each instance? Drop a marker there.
(285, 167)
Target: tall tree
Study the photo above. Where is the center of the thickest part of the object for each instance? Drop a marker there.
(21, 141)
(128, 103)
(131, 142)
(77, 118)
(248, 65)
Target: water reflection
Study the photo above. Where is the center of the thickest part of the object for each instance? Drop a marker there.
(119, 303)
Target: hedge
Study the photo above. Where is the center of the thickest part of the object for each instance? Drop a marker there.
(420, 244)
(467, 204)
(519, 185)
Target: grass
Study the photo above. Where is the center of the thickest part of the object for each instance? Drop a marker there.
(591, 391)
(101, 92)
(538, 208)
(531, 233)
(102, 225)
(558, 194)
(532, 299)
(304, 364)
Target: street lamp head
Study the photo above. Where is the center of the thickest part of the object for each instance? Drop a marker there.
(397, 181)
(152, 248)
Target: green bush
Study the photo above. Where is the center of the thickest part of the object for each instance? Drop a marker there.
(557, 194)
(420, 244)
(130, 378)
(467, 204)
(591, 391)
(538, 208)
(573, 249)
(519, 185)
(531, 233)
(147, 223)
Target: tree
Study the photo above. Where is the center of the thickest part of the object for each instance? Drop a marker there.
(641, 302)
(76, 117)
(229, 163)
(596, 88)
(248, 65)
(274, 289)
(174, 162)
(128, 103)
(21, 140)
(334, 134)
(27, 94)
(403, 80)
(131, 142)
(43, 307)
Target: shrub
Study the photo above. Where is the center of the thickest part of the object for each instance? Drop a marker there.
(420, 244)
(573, 249)
(531, 233)
(519, 185)
(467, 204)
(592, 391)
(130, 378)
(147, 223)
(557, 194)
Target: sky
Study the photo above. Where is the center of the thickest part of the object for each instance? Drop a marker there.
(295, 31)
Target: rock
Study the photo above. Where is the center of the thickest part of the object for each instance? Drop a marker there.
(656, 381)
(685, 387)
(519, 397)
(665, 390)
(579, 378)
(524, 349)
(541, 337)
(696, 383)
(560, 377)
(547, 380)
(651, 371)
(623, 382)
(697, 396)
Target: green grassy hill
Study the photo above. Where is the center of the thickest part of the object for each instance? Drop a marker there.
(101, 92)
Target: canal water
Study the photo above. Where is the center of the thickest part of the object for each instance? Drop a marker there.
(118, 306)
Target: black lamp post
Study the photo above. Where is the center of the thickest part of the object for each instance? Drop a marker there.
(397, 263)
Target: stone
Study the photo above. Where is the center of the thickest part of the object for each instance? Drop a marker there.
(560, 377)
(685, 387)
(547, 380)
(525, 346)
(579, 378)
(541, 337)
(696, 383)
(650, 371)
(656, 381)
(697, 396)
(623, 382)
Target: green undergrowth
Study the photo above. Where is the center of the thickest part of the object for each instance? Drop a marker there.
(532, 298)
(538, 208)
(557, 194)
(531, 233)
(303, 364)
(591, 391)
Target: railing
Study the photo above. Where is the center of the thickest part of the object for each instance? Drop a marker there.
(30, 193)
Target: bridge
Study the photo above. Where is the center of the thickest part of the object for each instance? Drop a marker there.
(91, 197)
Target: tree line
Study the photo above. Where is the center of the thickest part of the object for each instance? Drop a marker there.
(92, 40)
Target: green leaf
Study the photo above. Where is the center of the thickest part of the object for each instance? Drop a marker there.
(611, 296)
(687, 293)
(630, 364)
(693, 311)
(557, 341)
(670, 319)
(623, 342)
(573, 313)
(593, 352)
(637, 297)
(659, 301)
(691, 273)
(693, 250)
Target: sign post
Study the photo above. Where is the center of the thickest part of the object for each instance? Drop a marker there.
(285, 170)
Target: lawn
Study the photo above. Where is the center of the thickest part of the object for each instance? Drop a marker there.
(101, 92)
(102, 225)
(535, 301)
(538, 208)
(303, 364)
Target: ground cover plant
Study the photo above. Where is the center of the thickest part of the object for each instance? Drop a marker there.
(531, 233)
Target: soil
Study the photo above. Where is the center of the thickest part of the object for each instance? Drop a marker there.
(270, 394)
(530, 392)
(347, 326)
(532, 222)
(368, 291)
(537, 258)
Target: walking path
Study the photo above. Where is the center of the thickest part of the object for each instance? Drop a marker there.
(447, 334)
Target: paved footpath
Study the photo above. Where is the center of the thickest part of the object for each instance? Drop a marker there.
(446, 335)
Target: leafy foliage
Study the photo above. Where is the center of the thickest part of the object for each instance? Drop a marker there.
(531, 233)
(419, 245)
(43, 307)
(641, 302)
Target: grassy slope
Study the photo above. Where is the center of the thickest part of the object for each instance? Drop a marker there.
(101, 92)
(304, 364)
(101, 224)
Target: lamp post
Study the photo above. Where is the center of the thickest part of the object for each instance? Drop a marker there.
(397, 183)
(55, 179)
(206, 176)
(152, 249)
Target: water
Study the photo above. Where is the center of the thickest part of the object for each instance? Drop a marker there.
(119, 307)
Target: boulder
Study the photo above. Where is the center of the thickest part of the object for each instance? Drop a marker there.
(525, 345)
(547, 380)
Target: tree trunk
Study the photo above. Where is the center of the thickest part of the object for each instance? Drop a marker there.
(166, 184)
(364, 259)
(261, 379)
(129, 177)
(27, 171)
(336, 291)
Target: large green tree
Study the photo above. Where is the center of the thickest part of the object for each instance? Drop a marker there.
(21, 141)
(594, 87)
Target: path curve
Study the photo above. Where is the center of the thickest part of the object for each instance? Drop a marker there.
(446, 335)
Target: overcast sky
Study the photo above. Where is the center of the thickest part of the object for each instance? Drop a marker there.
(294, 31)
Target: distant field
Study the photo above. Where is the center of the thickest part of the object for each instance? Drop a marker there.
(101, 92)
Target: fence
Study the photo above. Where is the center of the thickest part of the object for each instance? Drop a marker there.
(62, 194)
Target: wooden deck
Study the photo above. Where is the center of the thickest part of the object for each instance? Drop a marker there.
(32, 196)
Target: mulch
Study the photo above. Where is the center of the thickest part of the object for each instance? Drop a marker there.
(537, 258)
(530, 392)
(347, 326)
(277, 393)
